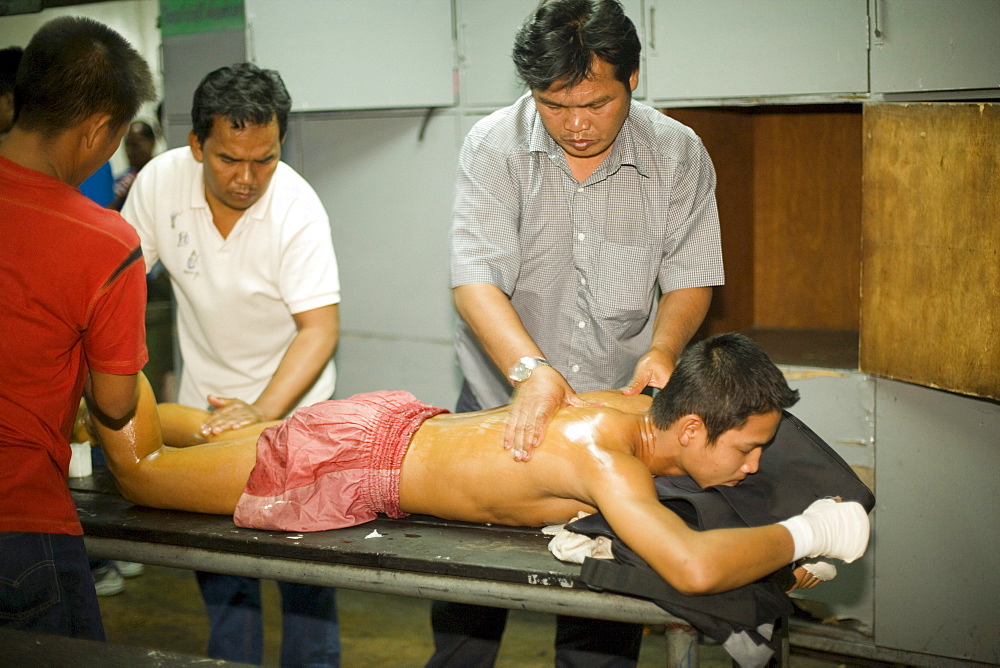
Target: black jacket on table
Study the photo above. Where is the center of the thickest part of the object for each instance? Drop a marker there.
(796, 468)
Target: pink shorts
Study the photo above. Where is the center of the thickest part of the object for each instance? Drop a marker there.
(333, 464)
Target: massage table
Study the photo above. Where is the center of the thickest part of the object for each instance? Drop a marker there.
(418, 556)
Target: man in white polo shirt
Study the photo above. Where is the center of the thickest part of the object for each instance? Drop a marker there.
(246, 242)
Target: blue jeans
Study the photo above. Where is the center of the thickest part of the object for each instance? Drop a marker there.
(310, 634)
(469, 635)
(46, 587)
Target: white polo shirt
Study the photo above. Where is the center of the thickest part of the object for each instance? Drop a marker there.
(235, 296)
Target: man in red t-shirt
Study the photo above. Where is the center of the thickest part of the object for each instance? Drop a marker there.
(73, 319)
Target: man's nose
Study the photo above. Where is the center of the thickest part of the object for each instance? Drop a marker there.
(577, 120)
(752, 464)
(244, 173)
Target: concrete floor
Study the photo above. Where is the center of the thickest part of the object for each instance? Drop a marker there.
(162, 610)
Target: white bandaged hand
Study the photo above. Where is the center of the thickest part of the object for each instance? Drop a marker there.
(822, 570)
(573, 547)
(829, 528)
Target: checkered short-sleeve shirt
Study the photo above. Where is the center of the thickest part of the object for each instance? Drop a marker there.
(583, 263)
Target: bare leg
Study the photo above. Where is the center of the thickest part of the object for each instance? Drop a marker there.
(206, 478)
(181, 425)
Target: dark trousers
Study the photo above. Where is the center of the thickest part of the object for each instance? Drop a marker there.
(310, 634)
(46, 587)
(469, 635)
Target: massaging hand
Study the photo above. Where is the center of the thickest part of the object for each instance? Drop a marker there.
(230, 414)
(653, 369)
(535, 402)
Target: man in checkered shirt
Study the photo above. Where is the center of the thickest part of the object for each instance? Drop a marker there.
(585, 244)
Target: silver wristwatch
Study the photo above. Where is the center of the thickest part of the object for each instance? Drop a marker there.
(522, 370)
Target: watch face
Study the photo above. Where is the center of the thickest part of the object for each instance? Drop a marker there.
(520, 372)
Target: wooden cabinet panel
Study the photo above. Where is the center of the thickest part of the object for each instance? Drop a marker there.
(807, 203)
(930, 308)
(728, 137)
(789, 196)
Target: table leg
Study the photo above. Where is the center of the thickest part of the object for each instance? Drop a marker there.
(682, 646)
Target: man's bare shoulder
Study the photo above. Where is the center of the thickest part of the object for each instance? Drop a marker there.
(607, 427)
(639, 403)
(586, 450)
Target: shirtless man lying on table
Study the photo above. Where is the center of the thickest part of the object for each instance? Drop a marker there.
(340, 463)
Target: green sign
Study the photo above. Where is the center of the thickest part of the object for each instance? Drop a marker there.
(187, 17)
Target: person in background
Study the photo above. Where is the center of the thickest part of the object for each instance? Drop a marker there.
(247, 245)
(74, 310)
(585, 244)
(10, 58)
(139, 143)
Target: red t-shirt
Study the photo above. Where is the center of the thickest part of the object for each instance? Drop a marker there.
(74, 296)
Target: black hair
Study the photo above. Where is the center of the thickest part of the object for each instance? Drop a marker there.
(74, 67)
(146, 130)
(724, 380)
(557, 44)
(245, 94)
(10, 58)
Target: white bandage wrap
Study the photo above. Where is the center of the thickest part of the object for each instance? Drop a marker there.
(828, 528)
(822, 570)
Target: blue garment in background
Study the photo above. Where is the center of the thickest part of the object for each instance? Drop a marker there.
(100, 187)
(310, 634)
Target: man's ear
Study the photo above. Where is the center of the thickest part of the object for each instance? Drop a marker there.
(7, 101)
(195, 146)
(691, 430)
(96, 129)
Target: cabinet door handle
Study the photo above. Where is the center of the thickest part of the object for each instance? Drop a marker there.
(877, 28)
(251, 43)
(652, 27)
